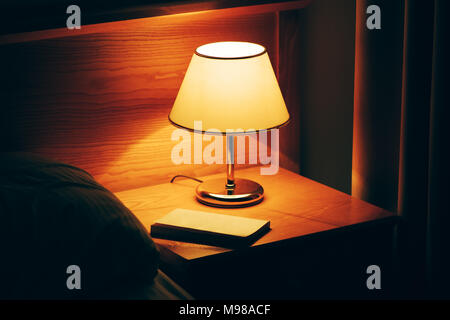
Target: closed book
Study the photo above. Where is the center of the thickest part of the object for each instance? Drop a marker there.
(215, 229)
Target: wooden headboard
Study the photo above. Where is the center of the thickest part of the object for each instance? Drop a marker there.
(99, 97)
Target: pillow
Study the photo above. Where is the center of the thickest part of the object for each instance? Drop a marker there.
(53, 216)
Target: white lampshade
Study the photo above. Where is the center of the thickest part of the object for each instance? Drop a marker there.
(230, 86)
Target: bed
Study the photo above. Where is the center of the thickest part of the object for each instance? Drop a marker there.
(54, 216)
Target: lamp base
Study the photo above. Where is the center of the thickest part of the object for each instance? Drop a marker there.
(214, 193)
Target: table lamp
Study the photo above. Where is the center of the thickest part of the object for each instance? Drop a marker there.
(232, 89)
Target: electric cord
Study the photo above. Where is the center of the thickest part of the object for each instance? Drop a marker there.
(188, 177)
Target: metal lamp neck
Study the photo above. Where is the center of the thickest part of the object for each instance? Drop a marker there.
(230, 162)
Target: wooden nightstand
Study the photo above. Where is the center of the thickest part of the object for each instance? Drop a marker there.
(320, 245)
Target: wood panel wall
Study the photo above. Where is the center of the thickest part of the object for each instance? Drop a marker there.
(100, 100)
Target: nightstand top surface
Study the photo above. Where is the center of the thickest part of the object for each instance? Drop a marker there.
(296, 207)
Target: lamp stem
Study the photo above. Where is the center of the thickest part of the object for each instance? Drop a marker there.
(230, 162)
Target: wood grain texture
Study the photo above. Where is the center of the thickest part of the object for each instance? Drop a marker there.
(296, 207)
(100, 101)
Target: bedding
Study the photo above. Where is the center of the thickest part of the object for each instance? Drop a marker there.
(53, 216)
